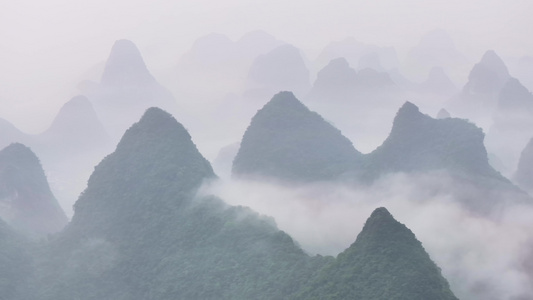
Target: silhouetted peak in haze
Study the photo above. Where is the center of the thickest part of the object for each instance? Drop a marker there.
(77, 108)
(140, 221)
(487, 76)
(438, 83)
(407, 113)
(27, 202)
(77, 124)
(285, 140)
(524, 173)
(336, 75)
(125, 66)
(283, 68)
(515, 96)
(337, 80)
(443, 114)
(384, 251)
(493, 62)
(11, 134)
(418, 142)
(126, 90)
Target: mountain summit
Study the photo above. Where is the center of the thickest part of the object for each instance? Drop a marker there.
(336, 75)
(283, 68)
(418, 142)
(385, 262)
(125, 66)
(76, 128)
(126, 90)
(178, 164)
(488, 76)
(285, 140)
(139, 230)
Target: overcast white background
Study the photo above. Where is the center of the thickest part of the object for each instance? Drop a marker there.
(46, 47)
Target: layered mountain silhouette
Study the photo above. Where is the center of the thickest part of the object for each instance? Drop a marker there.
(221, 61)
(438, 83)
(75, 129)
(512, 123)
(436, 48)
(26, 201)
(418, 142)
(355, 100)
(524, 173)
(141, 231)
(336, 80)
(385, 262)
(488, 76)
(69, 149)
(479, 97)
(452, 148)
(126, 90)
(286, 140)
(11, 134)
(515, 97)
(280, 69)
(224, 160)
(157, 134)
(125, 67)
(359, 54)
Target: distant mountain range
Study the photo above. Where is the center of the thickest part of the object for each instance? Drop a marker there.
(126, 90)
(287, 142)
(285, 127)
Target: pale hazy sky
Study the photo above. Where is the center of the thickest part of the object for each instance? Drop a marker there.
(47, 45)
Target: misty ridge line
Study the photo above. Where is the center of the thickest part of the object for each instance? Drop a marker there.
(108, 92)
(117, 192)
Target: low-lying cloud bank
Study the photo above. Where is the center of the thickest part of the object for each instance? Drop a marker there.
(484, 256)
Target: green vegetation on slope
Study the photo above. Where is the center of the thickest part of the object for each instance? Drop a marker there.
(286, 140)
(418, 142)
(385, 262)
(141, 232)
(26, 201)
